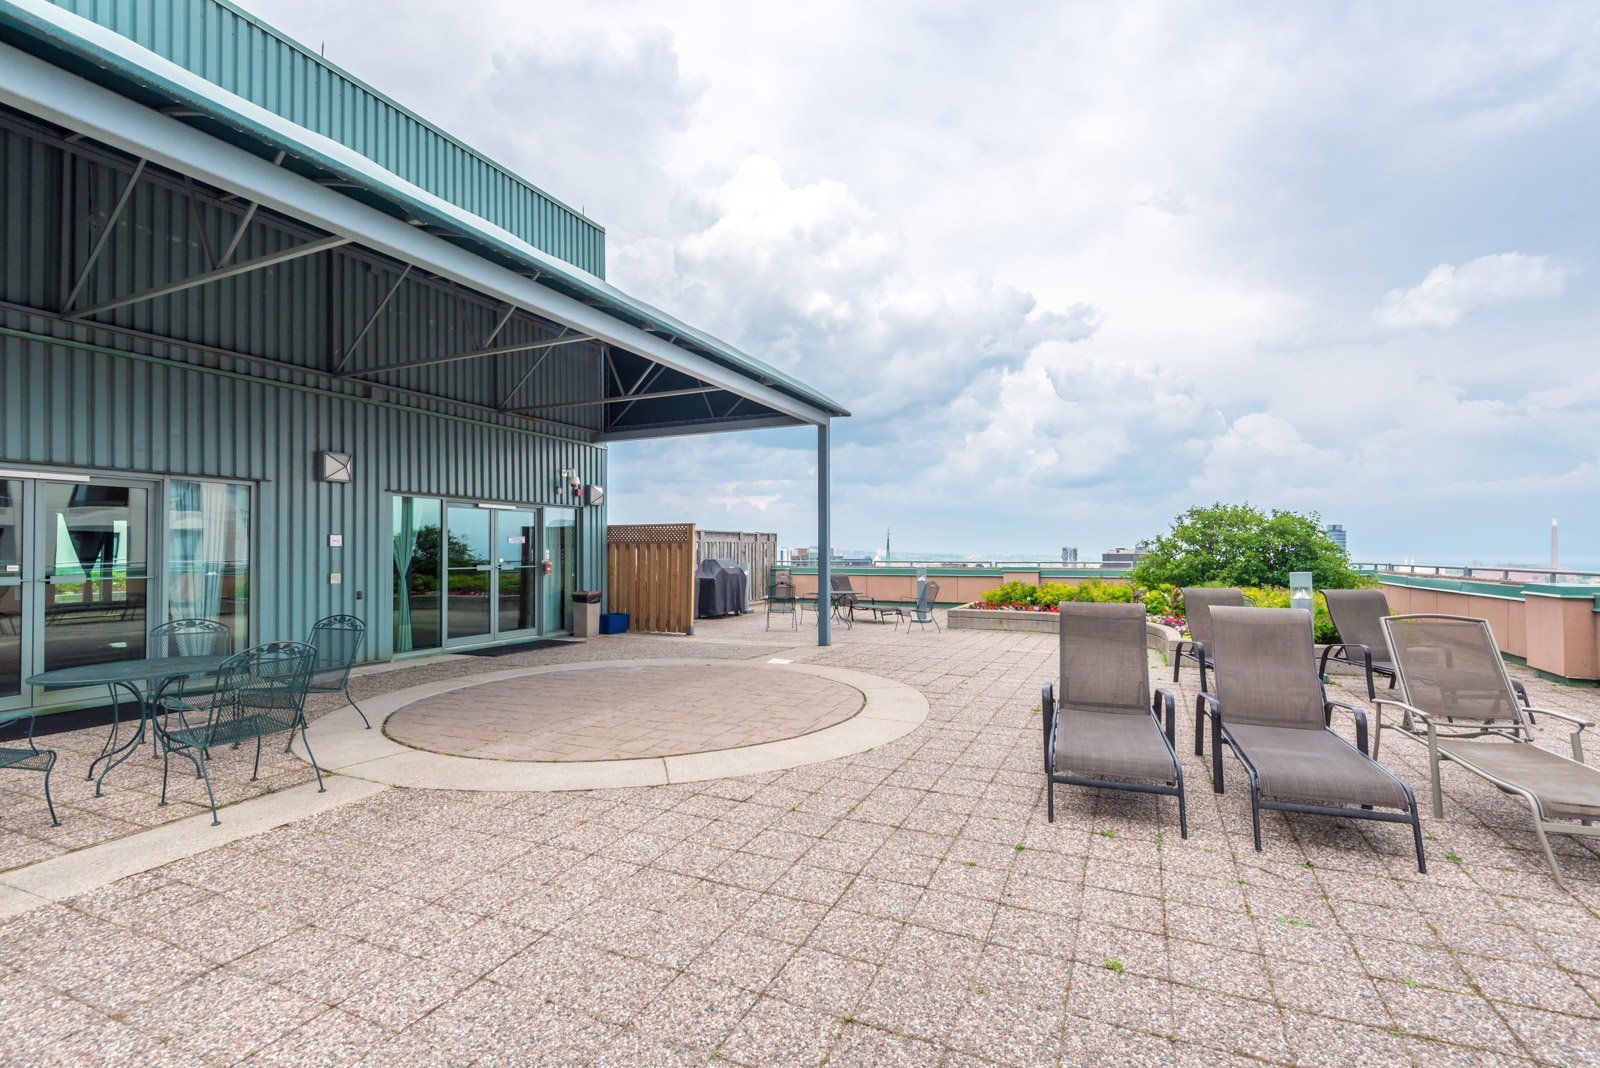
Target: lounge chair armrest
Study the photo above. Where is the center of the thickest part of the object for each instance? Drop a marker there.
(1210, 699)
(1522, 692)
(1156, 700)
(1568, 716)
(1361, 723)
(1413, 709)
(1047, 705)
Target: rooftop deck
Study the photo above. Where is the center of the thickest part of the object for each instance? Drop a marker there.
(907, 905)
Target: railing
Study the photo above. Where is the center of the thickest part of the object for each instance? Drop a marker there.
(1490, 574)
(1006, 565)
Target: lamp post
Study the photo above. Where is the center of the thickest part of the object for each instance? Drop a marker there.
(1300, 591)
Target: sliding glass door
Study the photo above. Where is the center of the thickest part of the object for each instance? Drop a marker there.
(90, 563)
(505, 571)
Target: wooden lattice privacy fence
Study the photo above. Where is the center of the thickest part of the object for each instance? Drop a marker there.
(756, 553)
(650, 575)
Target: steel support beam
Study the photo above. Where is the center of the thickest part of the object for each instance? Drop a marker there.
(824, 540)
(753, 422)
(298, 251)
(105, 235)
(619, 400)
(371, 319)
(477, 354)
(40, 88)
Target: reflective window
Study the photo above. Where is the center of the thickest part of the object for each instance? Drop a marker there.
(208, 555)
(416, 574)
(94, 608)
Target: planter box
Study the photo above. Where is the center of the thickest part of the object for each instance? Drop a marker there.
(1158, 636)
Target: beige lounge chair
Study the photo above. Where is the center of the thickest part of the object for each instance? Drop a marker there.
(1461, 704)
(1102, 728)
(1270, 709)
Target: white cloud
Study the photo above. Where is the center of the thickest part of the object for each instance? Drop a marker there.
(1076, 267)
(1448, 293)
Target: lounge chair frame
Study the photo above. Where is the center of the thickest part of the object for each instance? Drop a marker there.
(1209, 706)
(1230, 596)
(1340, 652)
(1159, 699)
(1518, 733)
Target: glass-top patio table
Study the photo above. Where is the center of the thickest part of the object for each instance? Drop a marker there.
(152, 674)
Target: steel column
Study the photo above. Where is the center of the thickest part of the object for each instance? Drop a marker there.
(824, 538)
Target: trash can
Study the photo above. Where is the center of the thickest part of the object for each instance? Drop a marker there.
(585, 613)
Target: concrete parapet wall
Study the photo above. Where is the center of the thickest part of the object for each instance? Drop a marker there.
(1554, 627)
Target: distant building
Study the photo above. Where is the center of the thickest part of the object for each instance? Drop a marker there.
(1336, 532)
(1069, 554)
(1121, 556)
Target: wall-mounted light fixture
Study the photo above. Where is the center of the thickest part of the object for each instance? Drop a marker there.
(570, 483)
(336, 467)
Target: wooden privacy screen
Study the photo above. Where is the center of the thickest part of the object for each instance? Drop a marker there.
(650, 575)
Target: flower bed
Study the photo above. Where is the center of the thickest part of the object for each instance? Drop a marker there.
(1161, 633)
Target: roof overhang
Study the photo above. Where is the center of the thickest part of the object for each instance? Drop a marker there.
(584, 304)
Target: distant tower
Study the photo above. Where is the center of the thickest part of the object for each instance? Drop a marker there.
(1336, 533)
(886, 556)
(1555, 552)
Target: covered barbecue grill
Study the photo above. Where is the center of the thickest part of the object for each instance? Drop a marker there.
(721, 589)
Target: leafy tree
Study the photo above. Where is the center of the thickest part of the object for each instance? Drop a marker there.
(1237, 545)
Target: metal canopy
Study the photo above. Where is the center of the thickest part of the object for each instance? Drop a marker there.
(208, 135)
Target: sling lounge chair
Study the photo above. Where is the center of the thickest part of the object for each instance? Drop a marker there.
(1461, 704)
(1270, 709)
(1358, 616)
(1197, 604)
(1102, 728)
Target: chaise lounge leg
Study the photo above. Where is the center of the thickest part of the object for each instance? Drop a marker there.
(1050, 801)
(1255, 815)
(1216, 754)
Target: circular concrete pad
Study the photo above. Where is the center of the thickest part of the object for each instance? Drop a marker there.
(624, 713)
(344, 746)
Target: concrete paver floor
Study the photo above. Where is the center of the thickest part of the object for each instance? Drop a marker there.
(905, 906)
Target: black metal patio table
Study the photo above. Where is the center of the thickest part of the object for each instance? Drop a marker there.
(152, 674)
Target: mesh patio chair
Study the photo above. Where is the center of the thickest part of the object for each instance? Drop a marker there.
(1197, 604)
(1358, 616)
(1269, 708)
(259, 692)
(24, 755)
(781, 599)
(918, 615)
(337, 640)
(845, 604)
(185, 637)
(1461, 704)
(1103, 728)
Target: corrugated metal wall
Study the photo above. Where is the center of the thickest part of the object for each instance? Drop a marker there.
(95, 399)
(231, 49)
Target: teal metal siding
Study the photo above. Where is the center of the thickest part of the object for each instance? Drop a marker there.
(231, 49)
(97, 399)
(68, 406)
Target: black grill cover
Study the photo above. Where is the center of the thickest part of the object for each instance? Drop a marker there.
(720, 589)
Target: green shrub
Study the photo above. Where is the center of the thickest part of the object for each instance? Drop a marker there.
(1237, 545)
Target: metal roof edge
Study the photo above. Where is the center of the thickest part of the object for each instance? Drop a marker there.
(113, 51)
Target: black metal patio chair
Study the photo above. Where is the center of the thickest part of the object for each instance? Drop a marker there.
(259, 692)
(1358, 617)
(1197, 604)
(337, 640)
(781, 599)
(185, 637)
(24, 755)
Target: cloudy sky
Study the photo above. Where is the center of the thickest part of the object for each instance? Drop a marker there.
(1077, 266)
